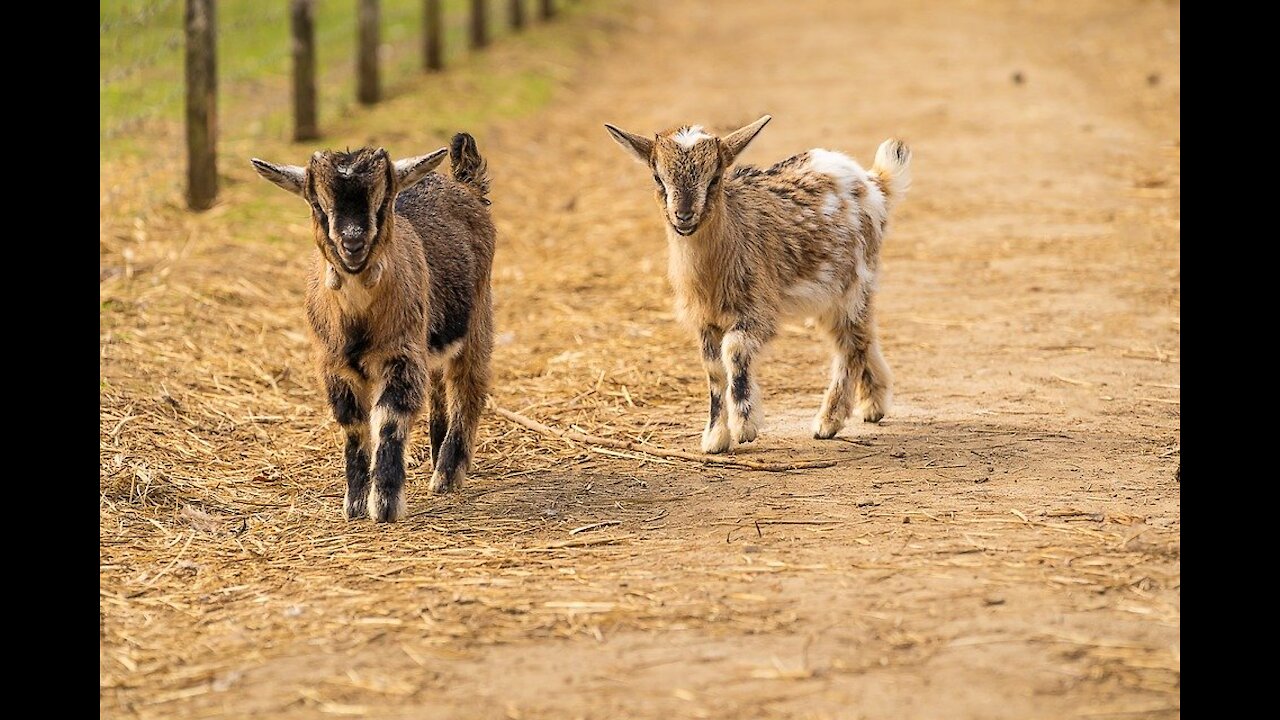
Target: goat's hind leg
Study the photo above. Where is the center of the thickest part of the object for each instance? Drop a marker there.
(846, 365)
(353, 416)
(439, 412)
(875, 383)
(467, 378)
(391, 422)
(859, 374)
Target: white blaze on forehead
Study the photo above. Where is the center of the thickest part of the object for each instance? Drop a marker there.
(687, 137)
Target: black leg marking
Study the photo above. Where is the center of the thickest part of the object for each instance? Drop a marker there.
(453, 459)
(439, 416)
(357, 477)
(346, 408)
(388, 472)
(741, 382)
(403, 393)
(716, 402)
(439, 425)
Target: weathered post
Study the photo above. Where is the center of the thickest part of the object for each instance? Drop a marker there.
(303, 28)
(202, 105)
(367, 52)
(432, 35)
(479, 25)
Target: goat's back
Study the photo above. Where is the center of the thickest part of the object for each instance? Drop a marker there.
(457, 236)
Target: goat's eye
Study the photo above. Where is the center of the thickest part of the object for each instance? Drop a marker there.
(657, 179)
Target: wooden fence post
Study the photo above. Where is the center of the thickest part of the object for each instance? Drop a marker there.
(367, 52)
(517, 14)
(548, 9)
(302, 26)
(202, 105)
(433, 35)
(479, 26)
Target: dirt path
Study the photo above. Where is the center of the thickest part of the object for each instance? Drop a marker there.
(1005, 545)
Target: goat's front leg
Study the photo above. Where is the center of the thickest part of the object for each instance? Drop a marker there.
(715, 438)
(859, 373)
(738, 350)
(353, 416)
(391, 421)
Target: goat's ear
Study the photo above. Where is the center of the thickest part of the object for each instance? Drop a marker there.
(289, 177)
(639, 147)
(738, 140)
(411, 170)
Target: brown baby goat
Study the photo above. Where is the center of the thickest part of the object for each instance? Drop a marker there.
(749, 247)
(400, 308)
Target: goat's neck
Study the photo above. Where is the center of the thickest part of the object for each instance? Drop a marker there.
(355, 294)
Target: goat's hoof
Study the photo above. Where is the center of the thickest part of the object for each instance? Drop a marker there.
(746, 432)
(443, 482)
(355, 508)
(825, 428)
(873, 410)
(715, 439)
(386, 509)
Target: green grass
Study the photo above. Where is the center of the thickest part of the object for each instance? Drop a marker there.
(141, 60)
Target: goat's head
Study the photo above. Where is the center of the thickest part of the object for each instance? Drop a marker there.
(352, 197)
(687, 164)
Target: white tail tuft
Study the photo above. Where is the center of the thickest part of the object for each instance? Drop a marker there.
(892, 170)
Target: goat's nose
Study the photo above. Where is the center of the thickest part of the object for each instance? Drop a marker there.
(684, 217)
(352, 238)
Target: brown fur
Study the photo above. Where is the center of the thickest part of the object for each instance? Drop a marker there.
(751, 246)
(408, 319)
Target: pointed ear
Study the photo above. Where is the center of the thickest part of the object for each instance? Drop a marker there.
(638, 147)
(738, 140)
(289, 177)
(410, 171)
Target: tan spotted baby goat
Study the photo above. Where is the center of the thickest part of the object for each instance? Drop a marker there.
(751, 246)
(400, 308)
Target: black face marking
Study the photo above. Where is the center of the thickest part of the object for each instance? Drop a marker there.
(346, 409)
(351, 205)
(403, 393)
(356, 345)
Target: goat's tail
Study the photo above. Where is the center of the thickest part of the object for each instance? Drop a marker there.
(892, 170)
(468, 167)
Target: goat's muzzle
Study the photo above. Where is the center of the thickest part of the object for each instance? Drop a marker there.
(352, 253)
